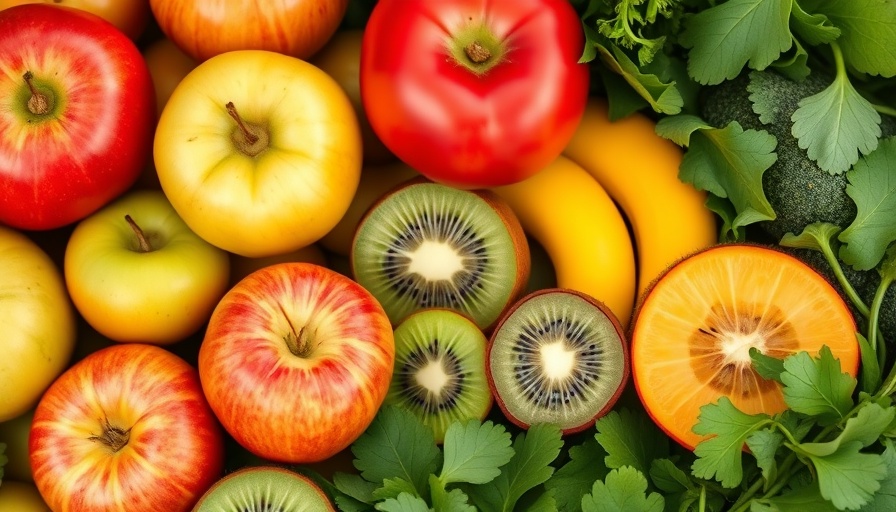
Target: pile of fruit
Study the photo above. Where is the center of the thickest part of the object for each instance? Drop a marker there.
(448, 255)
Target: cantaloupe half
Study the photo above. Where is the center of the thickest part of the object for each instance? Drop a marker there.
(695, 325)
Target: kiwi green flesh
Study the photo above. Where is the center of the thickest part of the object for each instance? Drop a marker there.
(559, 358)
(440, 369)
(429, 245)
(264, 489)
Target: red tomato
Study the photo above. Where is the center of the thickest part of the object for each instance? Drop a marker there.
(474, 93)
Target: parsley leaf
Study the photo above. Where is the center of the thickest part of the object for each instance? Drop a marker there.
(885, 498)
(764, 444)
(474, 452)
(396, 445)
(534, 451)
(668, 477)
(872, 185)
(662, 97)
(728, 162)
(575, 478)
(722, 39)
(354, 487)
(848, 477)
(767, 367)
(817, 387)
(720, 455)
(837, 124)
(813, 28)
(868, 32)
(630, 438)
(454, 500)
(403, 503)
(865, 427)
(392, 487)
(623, 490)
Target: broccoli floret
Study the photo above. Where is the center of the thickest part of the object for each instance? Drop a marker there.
(798, 190)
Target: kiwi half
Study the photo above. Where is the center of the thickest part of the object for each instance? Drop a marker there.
(440, 369)
(425, 245)
(264, 489)
(558, 356)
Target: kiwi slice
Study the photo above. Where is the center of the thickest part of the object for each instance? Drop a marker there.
(440, 369)
(426, 245)
(557, 356)
(264, 489)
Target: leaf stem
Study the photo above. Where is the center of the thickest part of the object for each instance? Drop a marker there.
(884, 109)
(874, 314)
(847, 286)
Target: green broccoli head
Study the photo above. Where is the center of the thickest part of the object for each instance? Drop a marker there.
(798, 190)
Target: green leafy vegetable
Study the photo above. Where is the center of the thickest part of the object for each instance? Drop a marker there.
(872, 187)
(575, 478)
(868, 29)
(719, 456)
(630, 439)
(474, 452)
(623, 490)
(403, 503)
(817, 387)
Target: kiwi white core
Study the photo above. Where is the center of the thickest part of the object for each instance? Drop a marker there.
(435, 261)
(432, 377)
(557, 361)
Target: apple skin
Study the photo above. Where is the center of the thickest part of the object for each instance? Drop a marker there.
(158, 297)
(58, 167)
(287, 192)
(129, 16)
(296, 361)
(298, 28)
(126, 428)
(38, 323)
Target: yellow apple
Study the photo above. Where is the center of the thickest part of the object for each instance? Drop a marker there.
(260, 153)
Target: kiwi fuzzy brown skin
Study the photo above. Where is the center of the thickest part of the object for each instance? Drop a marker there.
(502, 209)
(620, 332)
(273, 469)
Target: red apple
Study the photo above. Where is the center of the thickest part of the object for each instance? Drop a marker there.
(126, 428)
(296, 361)
(203, 29)
(77, 110)
(129, 16)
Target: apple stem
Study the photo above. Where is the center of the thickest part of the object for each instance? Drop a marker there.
(142, 240)
(251, 138)
(477, 53)
(38, 104)
(113, 437)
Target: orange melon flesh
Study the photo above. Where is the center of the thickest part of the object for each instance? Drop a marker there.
(731, 291)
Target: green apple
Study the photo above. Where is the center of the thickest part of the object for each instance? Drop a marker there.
(137, 273)
(259, 153)
(36, 321)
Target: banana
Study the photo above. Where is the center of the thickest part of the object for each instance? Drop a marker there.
(639, 169)
(566, 211)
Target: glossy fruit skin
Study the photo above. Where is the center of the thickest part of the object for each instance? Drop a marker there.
(146, 391)
(285, 405)
(284, 197)
(129, 16)
(38, 323)
(59, 167)
(293, 27)
(464, 128)
(161, 296)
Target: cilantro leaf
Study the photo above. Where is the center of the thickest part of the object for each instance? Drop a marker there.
(623, 490)
(403, 503)
(872, 185)
(474, 452)
(662, 97)
(764, 444)
(443, 500)
(835, 125)
(534, 451)
(396, 445)
(800, 499)
(622, 99)
(848, 477)
(768, 367)
(813, 28)
(817, 387)
(722, 39)
(574, 479)
(816, 236)
(719, 456)
(668, 477)
(865, 428)
(868, 32)
(630, 438)
(885, 498)
(355, 487)
(392, 487)
(794, 63)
